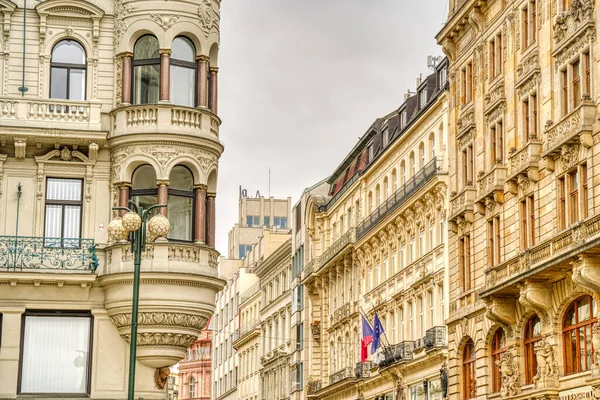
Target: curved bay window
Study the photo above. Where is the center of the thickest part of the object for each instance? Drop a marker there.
(144, 191)
(67, 71)
(183, 72)
(577, 335)
(181, 204)
(468, 371)
(146, 70)
(498, 347)
(533, 334)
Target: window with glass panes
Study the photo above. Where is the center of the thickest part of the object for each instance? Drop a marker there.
(577, 335)
(63, 210)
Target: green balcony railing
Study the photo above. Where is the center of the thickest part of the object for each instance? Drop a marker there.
(42, 253)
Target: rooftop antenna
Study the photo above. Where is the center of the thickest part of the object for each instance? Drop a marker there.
(432, 62)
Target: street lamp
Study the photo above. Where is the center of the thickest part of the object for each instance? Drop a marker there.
(134, 221)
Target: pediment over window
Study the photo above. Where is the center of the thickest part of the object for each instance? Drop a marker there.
(69, 8)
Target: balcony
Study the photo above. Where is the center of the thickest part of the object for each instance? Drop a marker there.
(178, 284)
(249, 330)
(25, 254)
(313, 387)
(45, 118)
(574, 129)
(164, 119)
(573, 23)
(431, 169)
(310, 267)
(543, 261)
(344, 373)
(524, 164)
(337, 247)
(340, 314)
(252, 290)
(462, 205)
(491, 187)
(397, 353)
(435, 337)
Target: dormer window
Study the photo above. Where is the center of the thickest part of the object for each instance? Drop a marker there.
(443, 76)
(371, 151)
(386, 137)
(403, 118)
(423, 97)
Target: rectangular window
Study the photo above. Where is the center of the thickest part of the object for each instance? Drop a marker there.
(296, 377)
(463, 85)
(562, 204)
(267, 222)
(402, 118)
(63, 211)
(493, 145)
(297, 298)
(465, 261)
(587, 73)
(465, 167)
(469, 81)
(280, 222)
(56, 349)
(299, 336)
(584, 191)
(527, 211)
(442, 320)
(430, 298)
(574, 196)
(423, 97)
(565, 91)
(526, 122)
(253, 221)
(491, 242)
(576, 83)
(534, 116)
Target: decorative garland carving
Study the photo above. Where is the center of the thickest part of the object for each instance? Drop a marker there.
(160, 319)
(209, 18)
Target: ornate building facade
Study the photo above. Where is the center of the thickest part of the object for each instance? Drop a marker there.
(195, 370)
(377, 243)
(523, 217)
(106, 103)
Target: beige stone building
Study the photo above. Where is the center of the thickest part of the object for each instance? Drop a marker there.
(377, 243)
(523, 218)
(106, 102)
(254, 213)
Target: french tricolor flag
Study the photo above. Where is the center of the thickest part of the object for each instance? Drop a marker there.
(367, 338)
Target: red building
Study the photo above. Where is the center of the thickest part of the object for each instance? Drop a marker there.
(195, 370)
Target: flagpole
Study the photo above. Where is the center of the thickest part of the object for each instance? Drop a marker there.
(384, 334)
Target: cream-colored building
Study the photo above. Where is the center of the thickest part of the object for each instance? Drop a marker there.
(247, 344)
(254, 214)
(107, 101)
(274, 276)
(524, 230)
(377, 243)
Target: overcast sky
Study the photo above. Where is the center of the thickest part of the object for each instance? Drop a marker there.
(301, 80)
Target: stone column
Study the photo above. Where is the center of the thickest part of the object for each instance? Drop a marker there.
(213, 89)
(123, 196)
(165, 74)
(163, 195)
(200, 214)
(202, 81)
(126, 78)
(211, 215)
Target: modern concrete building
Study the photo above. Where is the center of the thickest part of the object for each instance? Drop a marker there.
(107, 101)
(524, 232)
(254, 214)
(376, 243)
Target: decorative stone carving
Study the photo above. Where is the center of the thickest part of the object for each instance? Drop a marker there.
(502, 311)
(569, 156)
(596, 344)
(547, 365)
(160, 377)
(536, 296)
(509, 371)
(570, 21)
(165, 21)
(121, 12)
(20, 147)
(208, 17)
(586, 272)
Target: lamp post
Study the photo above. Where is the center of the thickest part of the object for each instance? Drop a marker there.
(135, 221)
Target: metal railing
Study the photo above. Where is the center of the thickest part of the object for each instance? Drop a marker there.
(342, 312)
(251, 291)
(398, 353)
(435, 337)
(340, 375)
(431, 169)
(333, 250)
(43, 253)
(249, 327)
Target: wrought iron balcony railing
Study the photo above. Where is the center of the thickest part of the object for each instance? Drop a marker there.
(396, 353)
(19, 253)
(313, 387)
(252, 290)
(340, 375)
(435, 337)
(431, 169)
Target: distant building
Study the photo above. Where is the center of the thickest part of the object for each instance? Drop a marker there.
(195, 370)
(254, 214)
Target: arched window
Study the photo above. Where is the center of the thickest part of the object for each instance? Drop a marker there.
(468, 367)
(432, 144)
(146, 70)
(183, 72)
(413, 164)
(533, 332)
(422, 155)
(370, 200)
(498, 347)
(192, 387)
(394, 181)
(385, 188)
(577, 335)
(403, 172)
(67, 71)
(144, 191)
(181, 203)
(377, 196)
